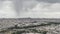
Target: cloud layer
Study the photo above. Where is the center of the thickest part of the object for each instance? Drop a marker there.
(7, 10)
(43, 10)
(49, 1)
(30, 8)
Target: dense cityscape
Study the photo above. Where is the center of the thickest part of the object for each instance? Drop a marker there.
(29, 26)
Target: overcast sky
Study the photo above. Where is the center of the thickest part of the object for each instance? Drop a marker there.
(30, 8)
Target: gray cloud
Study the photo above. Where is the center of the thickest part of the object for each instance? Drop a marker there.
(42, 10)
(30, 8)
(0, 4)
(21, 4)
(49, 1)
